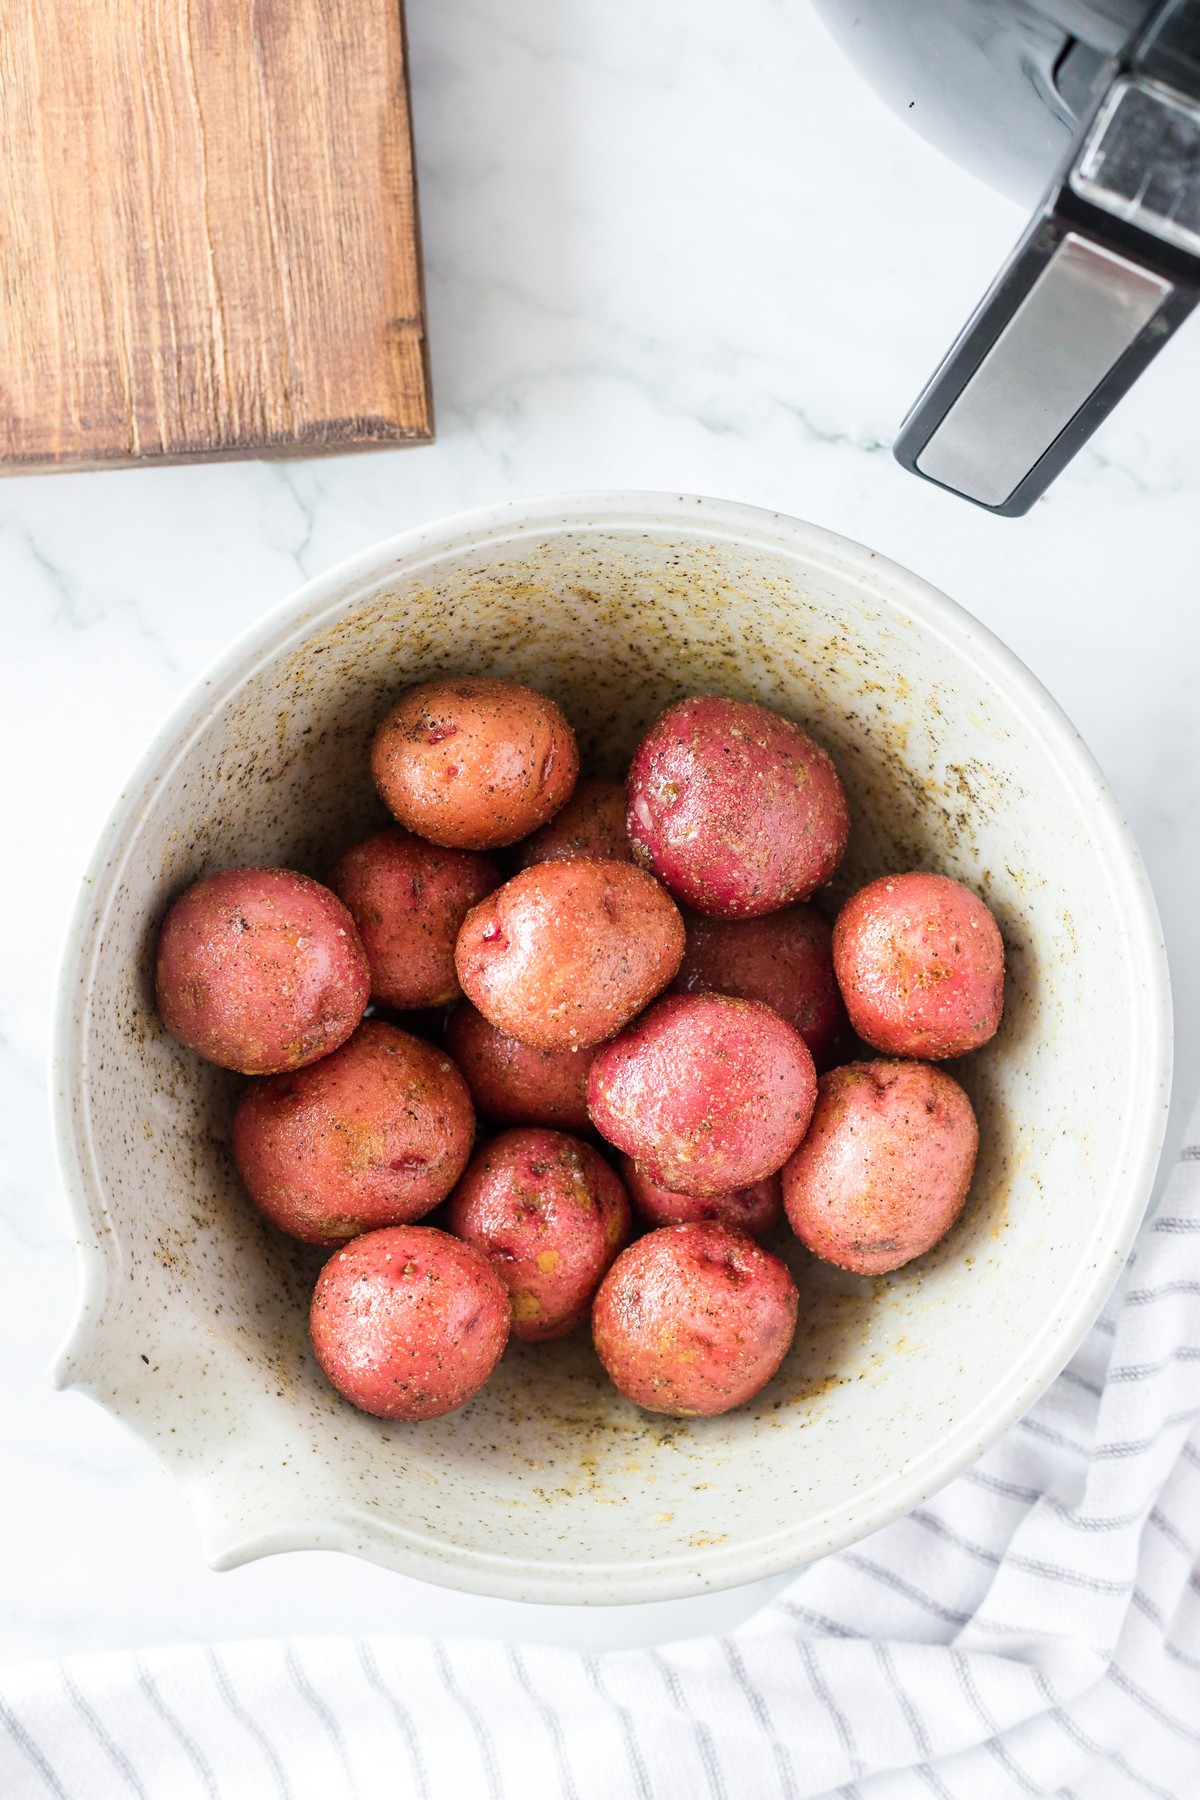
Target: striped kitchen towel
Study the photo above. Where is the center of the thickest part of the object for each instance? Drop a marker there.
(1034, 1630)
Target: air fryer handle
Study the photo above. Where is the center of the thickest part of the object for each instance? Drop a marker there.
(1066, 330)
(1107, 270)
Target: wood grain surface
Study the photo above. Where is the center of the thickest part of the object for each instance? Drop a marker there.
(208, 231)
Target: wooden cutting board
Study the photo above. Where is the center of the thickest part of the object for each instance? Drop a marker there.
(208, 232)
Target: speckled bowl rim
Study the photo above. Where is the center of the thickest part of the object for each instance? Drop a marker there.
(1148, 1046)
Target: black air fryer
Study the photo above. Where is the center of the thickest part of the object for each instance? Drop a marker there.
(1089, 109)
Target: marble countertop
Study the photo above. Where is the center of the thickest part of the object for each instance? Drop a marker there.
(676, 247)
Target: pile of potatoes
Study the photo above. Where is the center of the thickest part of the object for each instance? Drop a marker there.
(641, 984)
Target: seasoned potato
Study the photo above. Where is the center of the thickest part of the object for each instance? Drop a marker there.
(260, 970)
(550, 1215)
(592, 823)
(408, 1322)
(735, 809)
(920, 962)
(566, 952)
(375, 1134)
(886, 1165)
(408, 900)
(471, 762)
(694, 1319)
(754, 1209)
(512, 1083)
(708, 1093)
(784, 960)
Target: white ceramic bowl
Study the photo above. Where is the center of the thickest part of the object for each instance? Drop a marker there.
(548, 1486)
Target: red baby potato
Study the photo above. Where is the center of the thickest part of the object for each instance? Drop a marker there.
(736, 809)
(754, 1209)
(472, 762)
(706, 1092)
(785, 960)
(550, 1215)
(408, 900)
(885, 1168)
(514, 1084)
(408, 1322)
(260, 970)
(566, 952)
(375, 1134)
(694, 1319)
(592, 823)
(920, 962)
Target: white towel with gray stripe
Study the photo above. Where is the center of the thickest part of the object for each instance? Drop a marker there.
(1034, 1630)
